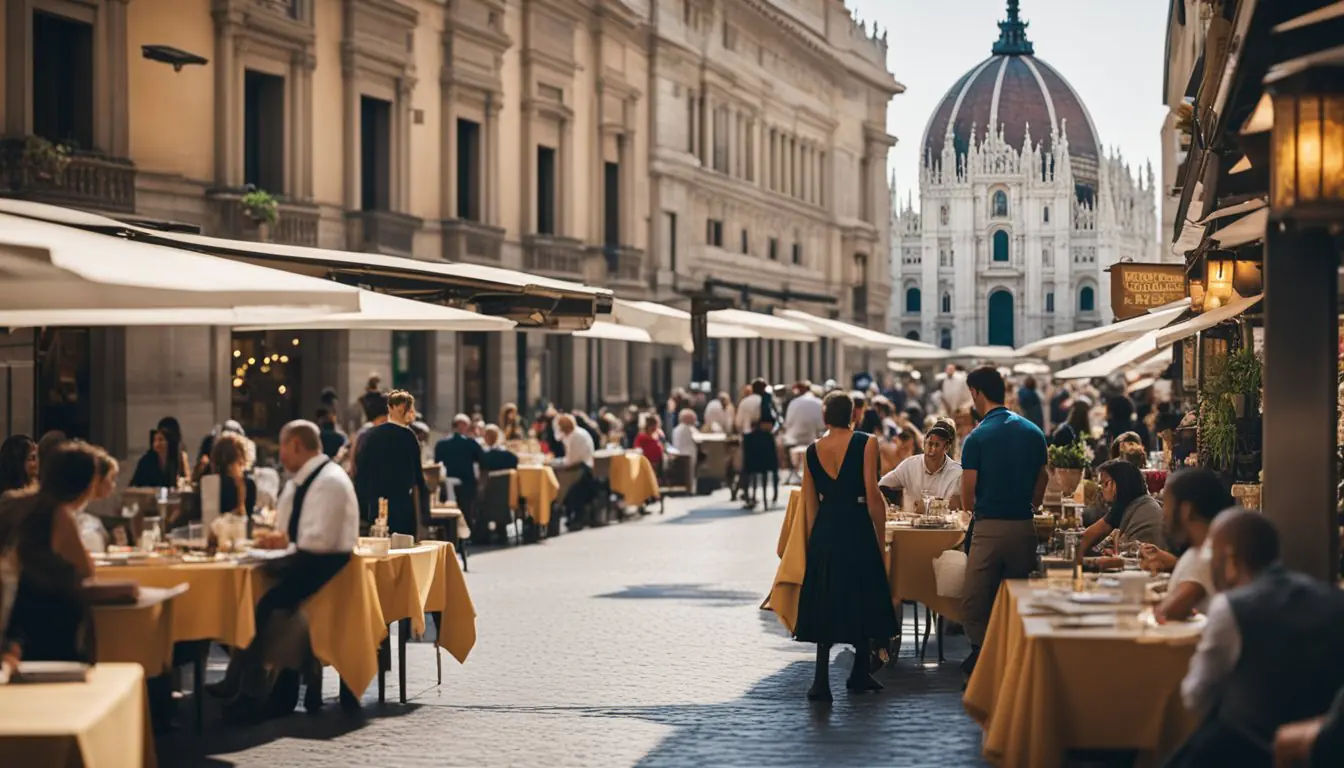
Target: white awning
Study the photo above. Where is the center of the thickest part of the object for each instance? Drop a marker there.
(849, 334)
(50, 266)
(1115, 359)
(1067, 345)
(663, 324)
(380, 312)
(224, 317)
(988, 354)
(919, 354)
(767, 326)
(1032, 368)
(1203, 321)
(613, 332)
(1247, 229)
(1232, 210)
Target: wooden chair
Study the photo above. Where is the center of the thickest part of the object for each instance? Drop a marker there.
(494, 513)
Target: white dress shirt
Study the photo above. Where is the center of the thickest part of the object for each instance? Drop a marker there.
(803, 422)
(1215, 657)
(1196, 565)
(718, 418)
(578, 448)
(330, 519)
(956, 394)
(683, 440)
(914, 476)
(748, 414)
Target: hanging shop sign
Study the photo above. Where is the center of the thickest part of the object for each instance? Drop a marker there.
(1136, 288)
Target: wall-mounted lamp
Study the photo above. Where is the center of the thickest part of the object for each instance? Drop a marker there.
(170, 55)
(1307, 144)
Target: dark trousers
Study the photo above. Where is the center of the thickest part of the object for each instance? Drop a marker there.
(1217, 744)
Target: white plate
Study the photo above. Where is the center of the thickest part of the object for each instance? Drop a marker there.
(1095, 598)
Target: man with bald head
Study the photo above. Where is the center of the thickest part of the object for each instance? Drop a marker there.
(1269, 654)
(317, 515)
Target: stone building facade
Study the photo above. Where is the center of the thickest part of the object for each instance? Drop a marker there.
(589, 140)
(1021, 211)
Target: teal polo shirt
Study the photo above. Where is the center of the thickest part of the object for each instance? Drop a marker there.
(1007, 453)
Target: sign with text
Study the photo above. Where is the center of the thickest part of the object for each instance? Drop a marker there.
(1137, 288)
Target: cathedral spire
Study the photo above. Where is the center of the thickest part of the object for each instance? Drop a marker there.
(1013, 35)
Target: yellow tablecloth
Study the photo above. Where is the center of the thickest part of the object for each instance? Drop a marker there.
(633, 477)
(910, 555)
(792, 551)
(539, 486)
(448, 595)
(139, 634)
(345, 624)
(102, 723)
(1038, 691)
(218, 606)
(403, 580)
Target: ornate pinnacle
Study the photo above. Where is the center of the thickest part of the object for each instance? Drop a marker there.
(1013, 35)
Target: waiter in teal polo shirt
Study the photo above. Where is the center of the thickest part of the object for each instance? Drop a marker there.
(1003, 472)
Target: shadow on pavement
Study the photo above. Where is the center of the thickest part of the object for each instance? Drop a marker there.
(702, 515)
(683, 592)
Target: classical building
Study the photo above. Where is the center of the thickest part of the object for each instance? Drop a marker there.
(659, 148)
(1021, 211)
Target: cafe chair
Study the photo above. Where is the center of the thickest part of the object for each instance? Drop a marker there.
(494, 513)
(677, 475)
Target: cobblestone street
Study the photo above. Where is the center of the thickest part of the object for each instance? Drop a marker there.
(639, 644)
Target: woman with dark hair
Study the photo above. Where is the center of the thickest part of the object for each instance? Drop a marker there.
(1078, 425)
(49, 618)
(18, 463)
(759, 455)
(844, 597)
(1130, 509)
(510, 423)
(163, 463)
(237, 491)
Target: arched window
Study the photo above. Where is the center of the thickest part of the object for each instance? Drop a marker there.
(1001, 245)
(947, 303)
(912, 301)
(1050, 301)
(1047, 214)
(1000, 203)
(942, 215)
(1001, 319)
(913, 335)
(945, 338)
(1087, 299)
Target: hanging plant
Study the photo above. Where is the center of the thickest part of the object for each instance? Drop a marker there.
(260, 206)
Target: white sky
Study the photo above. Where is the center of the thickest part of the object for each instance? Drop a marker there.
(1112, 53)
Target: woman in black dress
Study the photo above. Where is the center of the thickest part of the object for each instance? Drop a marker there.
(844, 597)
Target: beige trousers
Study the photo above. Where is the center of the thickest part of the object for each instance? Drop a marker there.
(1000, 549)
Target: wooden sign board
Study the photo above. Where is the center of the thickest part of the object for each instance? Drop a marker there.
(1137, 288)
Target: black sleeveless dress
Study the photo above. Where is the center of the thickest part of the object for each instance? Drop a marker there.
(844, 597)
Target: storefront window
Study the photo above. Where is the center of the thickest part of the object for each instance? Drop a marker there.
(63, 381)
(266, 375)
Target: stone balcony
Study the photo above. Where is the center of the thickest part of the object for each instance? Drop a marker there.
(554, 256)
(85, 180)
(624, 265)
(471, 241)
(381, 232)
(296, 222)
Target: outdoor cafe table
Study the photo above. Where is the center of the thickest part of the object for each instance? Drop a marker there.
(1038, 691)
(345, 620)
(100, 723)
(633, 477)
(539, 486)
(141, 633)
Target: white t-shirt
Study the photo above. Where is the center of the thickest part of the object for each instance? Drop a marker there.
(718, 418)
(1195, 565)
(956, 394)
(913, 476)
(748, 413)
(803, 421)
(578, 448)
(683, 440)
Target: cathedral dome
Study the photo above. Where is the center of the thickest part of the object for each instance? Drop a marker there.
(1015, 90)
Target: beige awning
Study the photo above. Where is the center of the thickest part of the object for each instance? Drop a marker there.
(1247, 206)
(613, 332)
(1068, 345)
(1114, 360)
(380, 312)
(989, 354)
(662, 324)
(1247, 229)
(1205, 320)
(1031, 368)
(48, 266)
(767, 326)
(918, 354)
(849, 334)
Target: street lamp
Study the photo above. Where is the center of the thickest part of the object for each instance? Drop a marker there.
(1307, 143)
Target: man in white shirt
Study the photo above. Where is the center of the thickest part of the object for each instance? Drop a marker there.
(578, 443)
(748, 413)
(933, 474)
(803, 423)
(683, 439)
(318, 516)
(578, 487)
(719, 414)
(956, 394)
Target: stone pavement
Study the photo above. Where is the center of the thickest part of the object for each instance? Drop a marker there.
(640, 644)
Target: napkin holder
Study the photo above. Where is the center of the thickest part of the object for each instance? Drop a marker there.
(374, 546)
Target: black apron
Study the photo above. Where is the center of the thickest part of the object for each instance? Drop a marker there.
(300, 575)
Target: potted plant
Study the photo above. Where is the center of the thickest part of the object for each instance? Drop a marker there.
(260, 206)
(1241, 379)
(1066, 465)
(46, 161)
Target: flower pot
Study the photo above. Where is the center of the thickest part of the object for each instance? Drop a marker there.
(1239, 405)
(1067, 479)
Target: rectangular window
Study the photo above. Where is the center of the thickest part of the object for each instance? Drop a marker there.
(692, 125)
(545, 190)
(797, 253)
(714, 233)
(264, 131)
(611, 208)
(721, 140)
(62, 80)
(865, 207)
(468, 170)
(375, 155)
(746, 242)
(670, 235)
(1050, 301)
(774, 249)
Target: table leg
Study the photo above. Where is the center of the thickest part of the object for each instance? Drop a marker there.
(384, 662)
(438, 652)
(198, 683)
(403, 630)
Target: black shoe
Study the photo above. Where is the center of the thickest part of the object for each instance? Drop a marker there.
(312, 699)
(226, 689)
(819, 693)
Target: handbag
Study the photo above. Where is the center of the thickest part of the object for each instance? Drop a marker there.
(949, 573)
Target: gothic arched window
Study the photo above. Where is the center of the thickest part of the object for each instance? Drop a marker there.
(942, 215)
(1087, 299)
(1000, 203)
(947, 303)
(912, 300)
(1047, 214)
(1001, 246)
